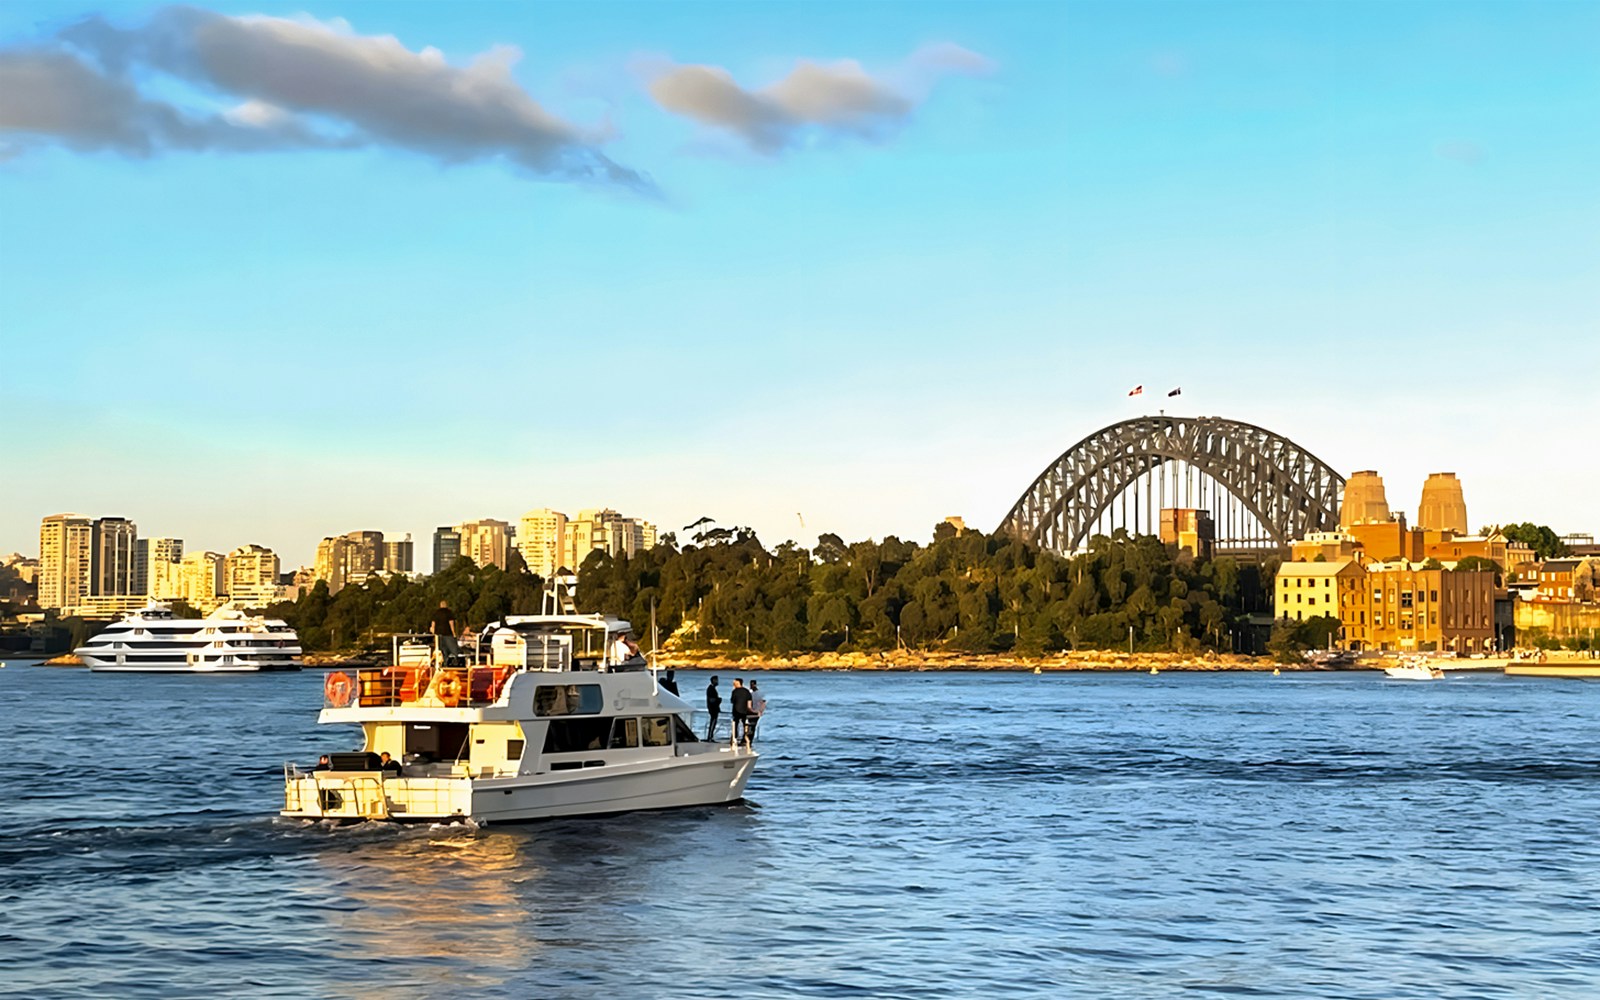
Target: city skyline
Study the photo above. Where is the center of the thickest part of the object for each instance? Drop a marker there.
(1369, 229)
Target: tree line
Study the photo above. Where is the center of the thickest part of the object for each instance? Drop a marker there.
(965, 591)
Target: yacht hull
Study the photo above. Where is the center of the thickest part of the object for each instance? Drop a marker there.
(702, 779)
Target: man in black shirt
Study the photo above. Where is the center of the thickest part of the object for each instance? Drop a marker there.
(740, 696)
(669, 684)
(713, 708)
(443, 628)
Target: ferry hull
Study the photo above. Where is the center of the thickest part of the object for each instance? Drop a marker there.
(187, 668)
(705, 779)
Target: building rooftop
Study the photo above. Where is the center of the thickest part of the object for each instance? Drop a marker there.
(1313, 568)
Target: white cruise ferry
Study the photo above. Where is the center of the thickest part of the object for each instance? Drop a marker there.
(553, 718)
(225, 641)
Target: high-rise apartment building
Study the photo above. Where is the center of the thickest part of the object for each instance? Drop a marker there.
(399, 556)
(332, 564)
(201, 580)
(156, 564)
(486, 542)
(66, 543)
(605, 531)
(541, 538)
(364, 555)
(446, 547)
(250, 575)
(113, 555)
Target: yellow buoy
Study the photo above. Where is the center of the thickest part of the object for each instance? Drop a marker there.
(1035, 669)
(1274, 671)
(1153, 670)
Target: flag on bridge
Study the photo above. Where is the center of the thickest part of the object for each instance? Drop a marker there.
(1176, 392)
(1136, 390)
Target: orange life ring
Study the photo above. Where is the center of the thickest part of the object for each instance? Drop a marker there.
(447, 688)
(338, 688)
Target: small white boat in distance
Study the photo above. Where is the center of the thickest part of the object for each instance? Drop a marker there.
(1414, 668)
(552, 716)
(227, 641)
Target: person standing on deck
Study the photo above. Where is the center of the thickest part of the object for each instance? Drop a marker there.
(758, 708)
(443, 629)
(713, 709)
(740, 696)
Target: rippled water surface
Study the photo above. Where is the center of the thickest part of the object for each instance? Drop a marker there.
(907, 835)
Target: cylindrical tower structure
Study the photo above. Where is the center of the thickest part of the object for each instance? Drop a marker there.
(1443, 508)
(1364, 499)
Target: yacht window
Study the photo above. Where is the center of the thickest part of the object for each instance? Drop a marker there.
(568, 735)
(567, 699)
(437, 740)
(657, 731)
(681, 730)
(513, 750)
(624, 734)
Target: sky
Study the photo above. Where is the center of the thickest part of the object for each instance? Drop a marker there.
(270, 272)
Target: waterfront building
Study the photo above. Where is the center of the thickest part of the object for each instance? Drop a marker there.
(250, 575)
(1566, 580)
(541, 538)
(486, 542)
(1414, 608)
(201, 580)
(112, 557)
(446, 547)
(66, 543)
(1328, 589)
(1330, 545)
(398, 556)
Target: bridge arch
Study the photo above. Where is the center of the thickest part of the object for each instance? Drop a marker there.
(1282, 486)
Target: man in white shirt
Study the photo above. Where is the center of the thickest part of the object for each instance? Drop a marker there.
(758, 705)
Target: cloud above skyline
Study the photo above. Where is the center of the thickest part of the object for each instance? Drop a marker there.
(816, 99)
(257, 83)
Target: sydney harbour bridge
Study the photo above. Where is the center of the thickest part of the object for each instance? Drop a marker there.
(1261, 490)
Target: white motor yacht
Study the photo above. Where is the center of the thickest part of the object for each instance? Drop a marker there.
(227, 641)
(543, 718)
(1414, 668)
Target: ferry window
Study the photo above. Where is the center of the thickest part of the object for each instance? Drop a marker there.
(568, 735)
(624, 733)
(567, 699)
(657, 731)
(682, 732)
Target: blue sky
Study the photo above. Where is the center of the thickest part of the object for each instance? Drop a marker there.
(1371, 227)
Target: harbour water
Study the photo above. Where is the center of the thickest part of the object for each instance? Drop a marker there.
(908, 835)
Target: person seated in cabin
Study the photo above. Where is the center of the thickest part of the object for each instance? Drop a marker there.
(323, 763)
(388, 765)
(624, 649)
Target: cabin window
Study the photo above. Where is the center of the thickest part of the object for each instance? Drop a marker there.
(437, 740)
(681, 730)
(568, 735)
(624, 734)
(567, 699)
(657, 731)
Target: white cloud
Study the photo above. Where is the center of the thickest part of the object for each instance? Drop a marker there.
(298, 82)
(837, 98)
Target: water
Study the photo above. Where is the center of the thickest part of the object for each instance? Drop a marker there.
(910, 835)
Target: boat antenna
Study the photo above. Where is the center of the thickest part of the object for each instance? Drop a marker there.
(655, 665)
